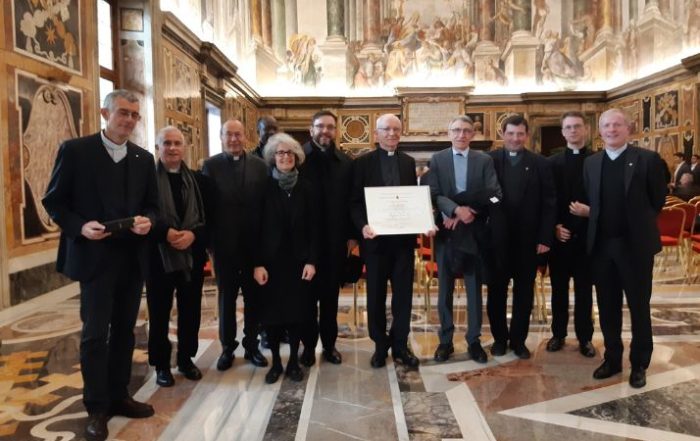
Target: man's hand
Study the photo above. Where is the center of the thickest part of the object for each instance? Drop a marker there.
(94, 230)
(561, 233)
(450, 223)
(368, 232)
(260, 275)
(185, 239)
(541, 249)
(309, 272)
(578, 209)
(464, 214)
(142, 225)
(432, 232)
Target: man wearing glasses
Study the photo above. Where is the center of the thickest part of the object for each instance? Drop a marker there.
(386, 257)
(463, 185)
(96, 179)
(330, 172)
(568, 258)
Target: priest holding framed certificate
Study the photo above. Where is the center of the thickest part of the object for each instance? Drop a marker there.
(389, 209)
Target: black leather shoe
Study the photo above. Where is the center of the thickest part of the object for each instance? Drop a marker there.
(96, 427)
(521, 351)
(405, 357)
(332, 356)
(499, 347)
(555, 344)
(256, 357)
(587, 349)
(378, 359)
(189, 370)
(443, 351)
(638, 377)
(294, 372)
(606, 370)
(477, 353)
(225, 361)
(164, 378)
(273, 374)
(308, 358)
(130, 408)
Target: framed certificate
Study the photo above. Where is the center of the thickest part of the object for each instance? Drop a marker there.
(399, 210)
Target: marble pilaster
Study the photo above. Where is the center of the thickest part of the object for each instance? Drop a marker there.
(334, 62)
(485, 53)
(256, 19)
(486, 31)
(266, 63)
(600, 60)
(659, 37)
(279, 33)
(371, 29)
(608, 19)
(520, 56)
(335, 15)
(290, 17)
(522, 17)
(266, 22)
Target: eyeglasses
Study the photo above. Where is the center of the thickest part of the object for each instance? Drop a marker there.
(390, 129)
(281, 153)
(573, 127)
(323, 126)
(126, 114)
(466, 131)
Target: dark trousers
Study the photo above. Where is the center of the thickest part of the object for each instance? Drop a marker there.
(160, 288)
(274, 337)
(395, 265)
(323, 312)
(569, 261)
(109, 305)
(230, 280)
(616, 268)
(521, 266)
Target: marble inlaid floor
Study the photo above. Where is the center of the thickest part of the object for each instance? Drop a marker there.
(552, 396)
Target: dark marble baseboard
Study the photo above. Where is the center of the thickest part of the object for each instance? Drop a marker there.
(32, 282)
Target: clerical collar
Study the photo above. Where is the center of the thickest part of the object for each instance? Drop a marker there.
(235, 157)
(172, 170)
(613, 154)
(575, 150)
(459, 152)
(513, 153)
(387, 152)
(116, 151)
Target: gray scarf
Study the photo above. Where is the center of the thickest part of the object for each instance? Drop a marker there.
(286, 180)
(179, 260)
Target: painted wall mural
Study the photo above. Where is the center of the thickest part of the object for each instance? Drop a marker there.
(48, 30)
(48, 114)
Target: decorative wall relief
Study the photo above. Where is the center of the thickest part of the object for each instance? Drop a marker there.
(632, 110)
(646, 114)
(131, 19)
(666, 110)
(48, 30)
(48, 114)
(666, 146)
(354, 129)
(481, 128)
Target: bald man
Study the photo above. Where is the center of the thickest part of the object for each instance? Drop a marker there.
(626, 189)
(238, 179)
(387, 258)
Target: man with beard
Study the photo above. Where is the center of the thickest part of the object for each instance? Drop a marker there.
(329, 171)
(238, 179)
(267, 126)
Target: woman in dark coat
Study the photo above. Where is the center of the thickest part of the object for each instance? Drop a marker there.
(287, 252)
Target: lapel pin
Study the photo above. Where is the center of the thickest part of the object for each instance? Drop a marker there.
(527, 168)
(631, 164)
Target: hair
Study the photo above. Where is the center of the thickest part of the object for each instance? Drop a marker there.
(266, 118)
(572, 114)
(321, 113)
(462, 118)
(686, 178)
(679, 155)
(515, 120)
(160, 137)
(385, 117)
(282, 138)
(221, 130)
(619, 112)
(118, 93)
(695, 156)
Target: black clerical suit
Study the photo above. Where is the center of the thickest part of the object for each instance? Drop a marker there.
(237, 189)
(529, 211)
(329, 172)
(86, 184)
(386, 257)
(186, 283)
(625, 198)
(569, 259)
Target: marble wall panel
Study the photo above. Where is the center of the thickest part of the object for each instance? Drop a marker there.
(32, 282)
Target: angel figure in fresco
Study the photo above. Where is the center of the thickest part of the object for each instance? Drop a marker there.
(504, 15)
(585, 25)
(398, 62)
(303, 59)
(541, 13)
(429, 58)
(692, 26)
(461, 62)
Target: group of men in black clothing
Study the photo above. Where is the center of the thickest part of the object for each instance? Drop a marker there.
(168, 216)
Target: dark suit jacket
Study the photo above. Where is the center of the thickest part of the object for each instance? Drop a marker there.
(235, 211)
(535, 221)
(645, 192)
(75, 196)
(302, 242)
(368, 173)
(332, 192)
(685, 168)
(563, 184)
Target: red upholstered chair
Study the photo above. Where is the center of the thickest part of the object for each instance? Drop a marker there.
(671, 222)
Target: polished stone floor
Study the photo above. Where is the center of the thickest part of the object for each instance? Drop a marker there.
(552, 396)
